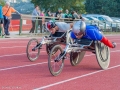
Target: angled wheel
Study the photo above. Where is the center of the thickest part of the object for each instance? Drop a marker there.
(102, 55)
(55, 67)
(76, 57)
(32, 54)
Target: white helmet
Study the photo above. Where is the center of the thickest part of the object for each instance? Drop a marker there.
(79, 26)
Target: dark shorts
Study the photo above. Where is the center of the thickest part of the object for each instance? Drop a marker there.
(1, 21)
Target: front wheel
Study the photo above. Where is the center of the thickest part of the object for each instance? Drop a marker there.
(55, 67)
(102, 55)
(76, 57)
(32, 54)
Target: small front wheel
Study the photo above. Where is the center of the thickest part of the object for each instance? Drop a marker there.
(31, 52)
(55, 67)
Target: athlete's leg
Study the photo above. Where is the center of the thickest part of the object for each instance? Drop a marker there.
(108, 42)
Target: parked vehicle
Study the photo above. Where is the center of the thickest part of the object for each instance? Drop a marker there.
(106, 19)
(101, 25)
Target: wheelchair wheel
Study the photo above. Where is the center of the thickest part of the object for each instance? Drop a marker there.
(32, 55)
(102, 55)
(55, 68)
(76, 57)
(49, 47)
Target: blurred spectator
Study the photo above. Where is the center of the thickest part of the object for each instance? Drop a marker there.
(72, 15)
(53, 19)
(48, 13)
(81, 17)
(35, 13)
(7, 11)
(75, 14)
(1, 21)
(42, 21)
(59, 13)
(67, 14)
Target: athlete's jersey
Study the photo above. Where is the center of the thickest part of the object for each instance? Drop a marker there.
(92, 32)
(63, 27)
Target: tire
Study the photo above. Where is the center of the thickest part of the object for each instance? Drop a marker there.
(76, 58)
(102, 55)
(49, 47)
(32, 55)
(55, 68)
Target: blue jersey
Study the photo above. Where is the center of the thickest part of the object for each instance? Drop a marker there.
(92, 32)
(1, 14)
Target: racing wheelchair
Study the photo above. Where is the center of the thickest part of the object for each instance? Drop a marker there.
(77, 50)
(33, 46)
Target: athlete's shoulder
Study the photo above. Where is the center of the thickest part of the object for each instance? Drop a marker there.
(90, 26)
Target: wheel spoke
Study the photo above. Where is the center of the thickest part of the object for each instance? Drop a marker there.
(54, 66)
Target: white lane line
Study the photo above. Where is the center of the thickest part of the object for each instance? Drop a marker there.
(74, 78)
(4, 69)
(15, 54)
(14, 42)
(13, 47)
(12, 55)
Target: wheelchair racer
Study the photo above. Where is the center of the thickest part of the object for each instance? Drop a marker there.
(81, 30)
(57, 29)
(54, 27)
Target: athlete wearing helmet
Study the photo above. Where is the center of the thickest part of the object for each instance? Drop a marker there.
(92, 32)
(54, 27)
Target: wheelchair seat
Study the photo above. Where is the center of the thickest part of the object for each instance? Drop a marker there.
(84, 41)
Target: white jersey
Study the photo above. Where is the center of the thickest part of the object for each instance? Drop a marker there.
(63, 27)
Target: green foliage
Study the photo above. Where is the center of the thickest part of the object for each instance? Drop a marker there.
(53, 5)
(2, 2)
(107, 7)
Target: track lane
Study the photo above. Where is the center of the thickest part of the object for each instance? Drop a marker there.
(36, 74)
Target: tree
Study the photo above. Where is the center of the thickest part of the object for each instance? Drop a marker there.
(53, 5)
(107, 7)
(2, 2)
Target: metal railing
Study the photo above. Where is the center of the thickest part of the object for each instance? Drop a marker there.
(102, 25)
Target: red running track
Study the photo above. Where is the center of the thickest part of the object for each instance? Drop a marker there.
(18, 73)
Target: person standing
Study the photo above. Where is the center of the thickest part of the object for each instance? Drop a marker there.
(7, 11)
(35, 13)
(1, 21)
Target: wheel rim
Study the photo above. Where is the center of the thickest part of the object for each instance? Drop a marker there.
(55, 67)
(103, 52)
(102, 55)
(33, 55)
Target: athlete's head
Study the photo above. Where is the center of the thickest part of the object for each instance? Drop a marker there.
(51, 26)
(79, 28)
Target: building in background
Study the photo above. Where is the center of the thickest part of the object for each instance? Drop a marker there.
(16, 1)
